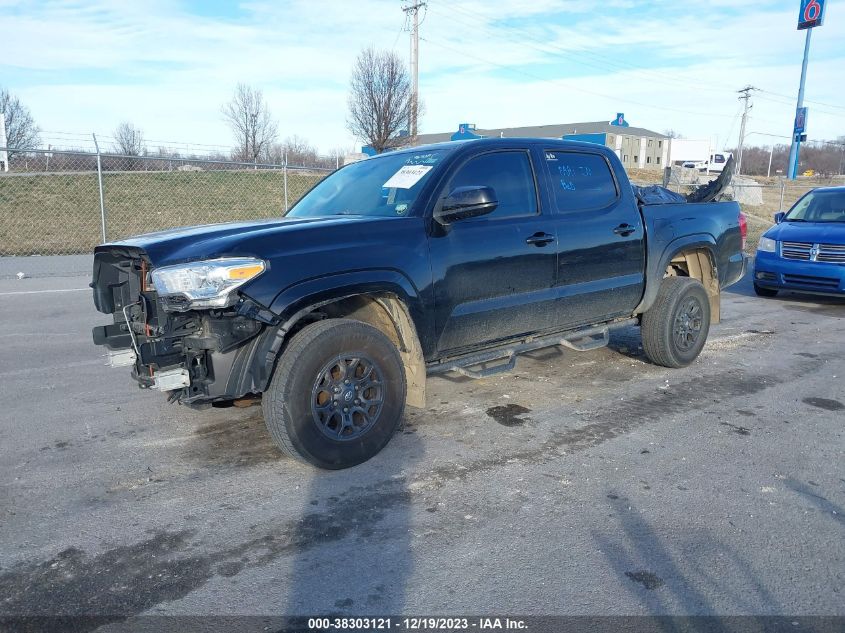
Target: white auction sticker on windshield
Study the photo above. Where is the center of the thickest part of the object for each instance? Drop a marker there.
(407, 177)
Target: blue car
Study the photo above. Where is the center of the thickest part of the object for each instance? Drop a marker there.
(805, 251)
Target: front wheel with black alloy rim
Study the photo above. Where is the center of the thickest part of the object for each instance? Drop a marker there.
(337, 395)
(675, 328)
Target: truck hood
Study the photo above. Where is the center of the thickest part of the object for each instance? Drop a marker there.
(295, 249)
(192, 243)
(809, 232)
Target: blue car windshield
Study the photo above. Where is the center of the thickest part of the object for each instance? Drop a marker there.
(819, 206)
(384, 186)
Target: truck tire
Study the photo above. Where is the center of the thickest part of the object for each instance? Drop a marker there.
(337, 394)
(764, 292)
(675, 328)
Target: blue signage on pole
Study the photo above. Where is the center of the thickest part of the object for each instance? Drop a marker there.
(812, 14)
(465, 132)
(800, 121)
(619, 121)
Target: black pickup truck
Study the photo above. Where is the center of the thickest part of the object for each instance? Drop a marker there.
(451, 257)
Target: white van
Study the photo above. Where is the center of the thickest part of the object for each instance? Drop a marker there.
(717, 162)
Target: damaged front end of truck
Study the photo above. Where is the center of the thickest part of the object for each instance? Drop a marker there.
(183, 329)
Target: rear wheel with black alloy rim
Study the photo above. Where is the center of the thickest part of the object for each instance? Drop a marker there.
(675, 328)
(337, 395)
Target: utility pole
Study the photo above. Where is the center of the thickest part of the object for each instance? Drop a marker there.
(412, 11)
(4, 154)
(771, 156)
(842, 160)
(746, 96)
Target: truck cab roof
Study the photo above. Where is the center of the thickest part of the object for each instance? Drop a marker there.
(505, 143)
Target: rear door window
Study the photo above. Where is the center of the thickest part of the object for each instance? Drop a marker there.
(581, 181)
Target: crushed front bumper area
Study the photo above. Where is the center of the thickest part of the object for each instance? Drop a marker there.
(197, 357)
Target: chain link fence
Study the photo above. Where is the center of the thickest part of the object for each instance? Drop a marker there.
(60, 203)
(759, 197)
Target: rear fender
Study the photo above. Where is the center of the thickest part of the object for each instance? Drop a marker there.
(657, 267)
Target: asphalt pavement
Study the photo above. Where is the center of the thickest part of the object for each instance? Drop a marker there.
(579, 483)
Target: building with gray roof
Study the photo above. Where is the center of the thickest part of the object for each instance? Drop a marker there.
(636, 147)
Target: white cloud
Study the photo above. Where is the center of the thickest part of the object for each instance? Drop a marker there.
(88, 65)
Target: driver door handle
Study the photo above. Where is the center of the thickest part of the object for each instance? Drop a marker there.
(540, 239)
(625, 230)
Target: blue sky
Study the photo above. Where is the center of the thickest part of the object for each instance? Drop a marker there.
(84, 66)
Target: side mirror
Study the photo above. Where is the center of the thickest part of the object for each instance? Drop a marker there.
(779, 217)
(466, 202)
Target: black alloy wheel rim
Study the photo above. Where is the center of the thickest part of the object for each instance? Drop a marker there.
(347, 397)
(689, 319)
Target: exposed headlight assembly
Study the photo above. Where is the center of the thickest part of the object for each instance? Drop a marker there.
(767, 245)
(205, 284)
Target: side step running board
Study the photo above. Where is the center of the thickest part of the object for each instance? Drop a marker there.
(509, 364)
(587, 342)
(581, 341)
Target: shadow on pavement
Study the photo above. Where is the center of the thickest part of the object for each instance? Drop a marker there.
(837, 513)
(357, 558)
(638, 555)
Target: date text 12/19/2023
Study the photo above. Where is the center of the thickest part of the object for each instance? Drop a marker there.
(416, 624)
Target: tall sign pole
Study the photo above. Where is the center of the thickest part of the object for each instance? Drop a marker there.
(811, 16)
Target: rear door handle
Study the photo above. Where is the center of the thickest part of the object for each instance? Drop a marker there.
(625, 230)
(540, 239)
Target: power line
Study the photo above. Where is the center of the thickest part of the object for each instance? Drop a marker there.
(545, 50)
(87, 137)
(614, 98)
(731, 128)
(600, 62)
(791, 105)
(402, 28)
(603, 63)
(824, 105)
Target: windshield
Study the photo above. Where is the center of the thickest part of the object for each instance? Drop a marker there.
(386, 186)
(819, 206)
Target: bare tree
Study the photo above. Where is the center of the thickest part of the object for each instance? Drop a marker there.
(251, 123)
(337, 156)
(299, 151)
(130, 140)
(671, 133)
(381, 102)
(21, 131)
(824, 157)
